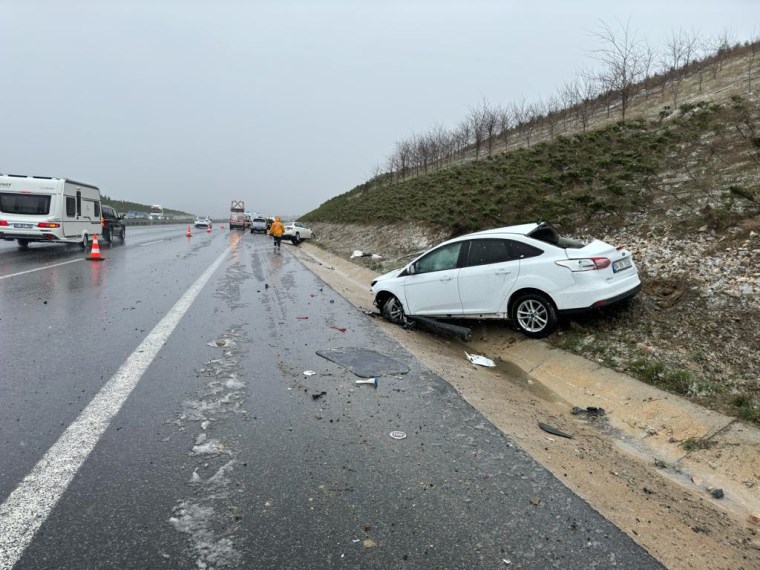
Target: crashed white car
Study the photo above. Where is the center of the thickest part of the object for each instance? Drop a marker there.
(296, 232)
(526, 273)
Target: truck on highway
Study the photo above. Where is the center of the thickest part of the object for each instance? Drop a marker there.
(45, 209)
(237, 215)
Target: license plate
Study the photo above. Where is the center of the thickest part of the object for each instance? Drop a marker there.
(621, 264)
(24, 226)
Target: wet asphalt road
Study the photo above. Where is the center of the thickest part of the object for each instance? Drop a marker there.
(226, 455)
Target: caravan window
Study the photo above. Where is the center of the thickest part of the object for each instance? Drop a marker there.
(97, 209)
(29, 204)
(71, 207)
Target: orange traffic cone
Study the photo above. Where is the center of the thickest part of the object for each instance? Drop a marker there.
(208, 231)
(188, 234)
(95, 251)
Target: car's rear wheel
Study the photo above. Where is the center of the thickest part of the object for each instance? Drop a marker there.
(534, 315)
(23, 243)
(107, 234)
(297, 240)
(85, 241)
(393, 310)
(123, 235)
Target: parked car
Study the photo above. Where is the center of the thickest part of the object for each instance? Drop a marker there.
(112, 224)
(296, 232)
(203, 222)
(527, 273)
(259, 225)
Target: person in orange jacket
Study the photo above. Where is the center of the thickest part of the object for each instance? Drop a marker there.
(276, 230)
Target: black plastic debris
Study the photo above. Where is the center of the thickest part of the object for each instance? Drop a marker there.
(363, 362)
(590, 411)
(318, 395)
(554, 431)
(439, 327)
(717, 493)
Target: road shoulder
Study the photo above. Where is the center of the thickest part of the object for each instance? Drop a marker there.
(631, 465)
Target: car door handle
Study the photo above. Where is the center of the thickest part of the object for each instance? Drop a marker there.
(447, 278)
(502, 272)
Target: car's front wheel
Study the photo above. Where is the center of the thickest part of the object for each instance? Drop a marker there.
(393, 310)
(534, 315)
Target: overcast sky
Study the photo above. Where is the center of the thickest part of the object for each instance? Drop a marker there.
(284, 103)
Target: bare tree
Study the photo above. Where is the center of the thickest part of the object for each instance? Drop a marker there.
(490, 125)
(622, 57)
(754, 47)
(505, 119)
(721, 45)
(679, 50)
(476, 117)
(463, 137)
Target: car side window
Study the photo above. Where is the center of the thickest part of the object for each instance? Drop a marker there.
(522, 250)
(487, 251)
(443, 258)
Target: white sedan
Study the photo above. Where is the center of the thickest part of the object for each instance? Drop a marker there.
(526, 273)
(203, 222)
(296, 232)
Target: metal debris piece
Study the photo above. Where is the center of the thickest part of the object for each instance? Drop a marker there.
(554, 431)
(397, 434)
(309, 373)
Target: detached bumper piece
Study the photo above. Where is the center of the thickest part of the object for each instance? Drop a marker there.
(439, 327)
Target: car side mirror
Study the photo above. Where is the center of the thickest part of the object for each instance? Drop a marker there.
(412, 269)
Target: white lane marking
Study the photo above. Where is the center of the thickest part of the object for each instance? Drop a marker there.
(151, 242)
(39, 268)
(27, 507)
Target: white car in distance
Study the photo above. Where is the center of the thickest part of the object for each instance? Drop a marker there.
(527, 273)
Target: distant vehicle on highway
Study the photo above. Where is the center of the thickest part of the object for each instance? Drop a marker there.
(202, 222)
(45, 209)
(157, 212)
(259, 225)
(113, 224)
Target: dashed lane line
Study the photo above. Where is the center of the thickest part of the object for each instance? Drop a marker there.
(29, 505)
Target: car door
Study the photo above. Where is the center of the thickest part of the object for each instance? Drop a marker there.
(303, 230)
(432, 287)
(488, 274)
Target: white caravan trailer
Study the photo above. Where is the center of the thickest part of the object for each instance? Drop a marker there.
(40, 208)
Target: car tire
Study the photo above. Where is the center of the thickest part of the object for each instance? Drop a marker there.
(85, 241)
(107, 234)
(23, 243)
(393, 311)
(123, 235)
(534, 315)
(297, 239)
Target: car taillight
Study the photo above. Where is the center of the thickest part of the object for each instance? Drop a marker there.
(102, 221)
(585, 264)
(48, 225)
(3, 223)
